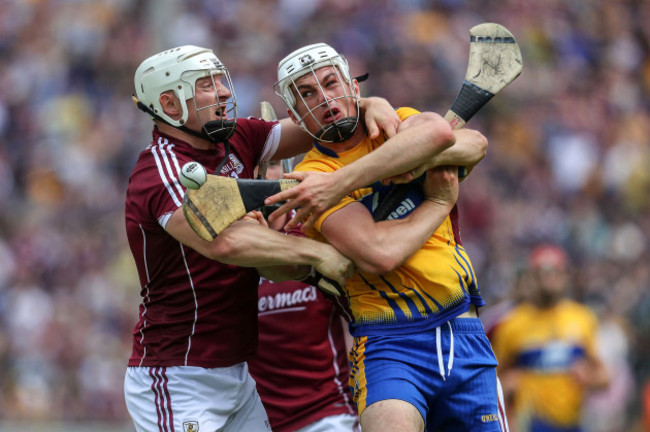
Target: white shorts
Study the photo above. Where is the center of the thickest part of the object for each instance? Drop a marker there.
(186, 399)
(335, 423)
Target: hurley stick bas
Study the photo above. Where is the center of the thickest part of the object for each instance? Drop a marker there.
(494, 62)
(221, 201)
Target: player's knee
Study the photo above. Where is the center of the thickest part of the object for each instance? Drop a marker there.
(391, 415)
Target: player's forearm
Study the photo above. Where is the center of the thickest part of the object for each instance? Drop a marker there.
(401, 153)
(249, 245)
(405, 238)
(383, 246)
(468, 150)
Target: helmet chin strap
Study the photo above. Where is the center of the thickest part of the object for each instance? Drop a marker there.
(338, 131)
(219, 134)
(215, 131)
(226, 154)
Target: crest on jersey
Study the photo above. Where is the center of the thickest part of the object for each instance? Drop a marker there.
(190, 426)
(233, 167)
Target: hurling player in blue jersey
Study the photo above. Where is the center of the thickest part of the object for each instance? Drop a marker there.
(546, 347)
(420, 359)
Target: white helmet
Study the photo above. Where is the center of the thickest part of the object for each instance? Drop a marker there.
(307, 60)
(177, 70)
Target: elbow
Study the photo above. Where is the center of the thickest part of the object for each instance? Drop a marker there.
(374, 253)
(476, 145)
(437, 132)
(388, 266)
(379, 264)
(481, 145)
(225, 248)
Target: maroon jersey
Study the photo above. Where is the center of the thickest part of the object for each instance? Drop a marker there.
(301, 367)
(194, 311)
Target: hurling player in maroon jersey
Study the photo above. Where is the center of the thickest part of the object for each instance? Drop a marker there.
(197, 321)
(301, 367)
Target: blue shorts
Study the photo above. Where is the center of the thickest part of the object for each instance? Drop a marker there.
(454, 391)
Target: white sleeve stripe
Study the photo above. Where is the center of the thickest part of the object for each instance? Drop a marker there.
(162, 220)
(272, 143)
(172, 171)
(163, 177)
(165, 152)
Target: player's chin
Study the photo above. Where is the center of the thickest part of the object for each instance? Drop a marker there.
(331, 116)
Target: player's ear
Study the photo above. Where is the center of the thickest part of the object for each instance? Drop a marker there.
(292, 117)
(171, 105)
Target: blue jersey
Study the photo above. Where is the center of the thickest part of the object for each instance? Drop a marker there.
(434, 285)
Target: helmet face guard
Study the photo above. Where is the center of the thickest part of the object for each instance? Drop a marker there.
(221, 129)
(177, 70)
(306, 61)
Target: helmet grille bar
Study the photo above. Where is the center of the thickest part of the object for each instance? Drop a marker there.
(177, 70)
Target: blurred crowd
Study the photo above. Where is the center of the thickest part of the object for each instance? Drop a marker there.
(568, 162)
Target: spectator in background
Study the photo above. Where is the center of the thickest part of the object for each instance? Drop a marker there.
(301, 367)
(546, 348)
(607, 410)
